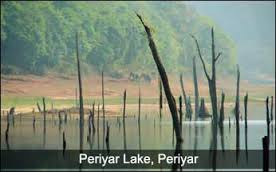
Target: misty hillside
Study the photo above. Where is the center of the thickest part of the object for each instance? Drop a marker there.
(38, 37)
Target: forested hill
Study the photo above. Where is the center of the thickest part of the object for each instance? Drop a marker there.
(37, 37)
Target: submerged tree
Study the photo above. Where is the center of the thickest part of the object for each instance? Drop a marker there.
(211, 79)
(196, 89)
(80, 93)
(165, 81)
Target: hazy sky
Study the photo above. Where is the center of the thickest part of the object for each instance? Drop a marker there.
(252, 27)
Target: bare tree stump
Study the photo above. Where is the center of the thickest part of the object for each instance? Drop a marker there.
(187, 106)
(203, 112)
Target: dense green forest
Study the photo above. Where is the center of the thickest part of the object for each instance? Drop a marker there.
(37, 37)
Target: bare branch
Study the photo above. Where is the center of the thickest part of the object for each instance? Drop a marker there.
(218, 56)
(199, 53)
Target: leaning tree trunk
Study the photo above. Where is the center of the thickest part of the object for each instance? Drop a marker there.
(165, 81)
(196, 89)
(80, 93)
(160, 98)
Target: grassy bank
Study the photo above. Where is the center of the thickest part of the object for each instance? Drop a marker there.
(20, 101)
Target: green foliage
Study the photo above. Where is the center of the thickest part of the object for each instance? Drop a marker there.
(40, 36)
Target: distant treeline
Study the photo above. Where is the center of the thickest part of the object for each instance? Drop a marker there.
(37, 37)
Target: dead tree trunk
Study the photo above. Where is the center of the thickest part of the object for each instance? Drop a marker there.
(203, 112)
(44, 114)
(91, 123)
(160, 98)
(139, 106)
(107, 137)
(64, 144)
(80, 93)
(245, 109)
(38, 107)
(180, 114)
(98, 127)
(237, 110)
(271, 109)
(139, 119)
(165, 81)
(267, 115)
(221, 118)
(188, 110)
(124, 116)
(245, 127)
(196, 89)
(93, 118)
(212, 79)
(76, 97)
(103, 102)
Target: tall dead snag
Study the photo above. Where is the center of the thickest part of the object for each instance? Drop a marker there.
(98, 127)
(93, 118)
(44, 114)
(187, 107)
(76, 97)
(180, 114)
(107, 137)
(245, 109)
(267, 115)
(212, 79)
(271, 109)
(237, 112)
(139, 106)
(91, 123)
(80, 93)
(139, 119)
(196, 89)
(160, 98)
(221, 117)
(124, 116)
(190, 108)
(245, 128)
(103, 102)
(164, 78)
(10, 113)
